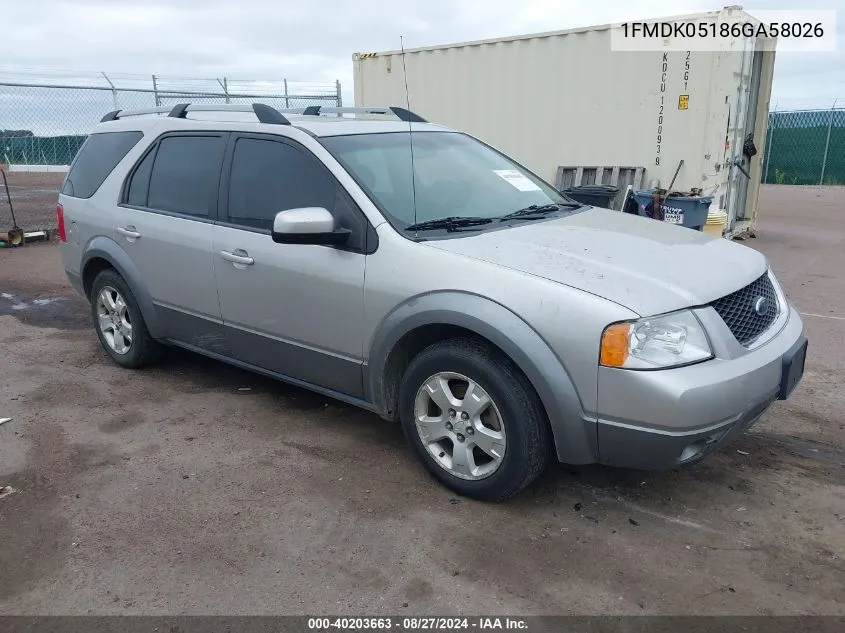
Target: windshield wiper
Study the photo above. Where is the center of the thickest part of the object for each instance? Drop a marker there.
(451, 223)
(536, 210)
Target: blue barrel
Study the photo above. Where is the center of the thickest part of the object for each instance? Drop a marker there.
(688, 211)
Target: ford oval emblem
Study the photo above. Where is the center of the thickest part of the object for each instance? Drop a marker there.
(761, 306)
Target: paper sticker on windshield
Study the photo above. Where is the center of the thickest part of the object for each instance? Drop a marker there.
(516, 179)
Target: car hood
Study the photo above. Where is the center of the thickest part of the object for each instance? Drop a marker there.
(647, 266)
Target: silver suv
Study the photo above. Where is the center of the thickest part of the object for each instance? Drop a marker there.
(420, 274)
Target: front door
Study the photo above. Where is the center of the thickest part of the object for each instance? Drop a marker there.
(164, 223)
(294, 309)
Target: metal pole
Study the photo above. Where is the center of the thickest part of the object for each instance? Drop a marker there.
(287, 101)
(155, 91)
(339, 97)
(827, 142)
(113, 89)
(772, 119)
(225, 86)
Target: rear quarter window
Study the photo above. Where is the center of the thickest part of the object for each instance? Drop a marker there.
(96, 159)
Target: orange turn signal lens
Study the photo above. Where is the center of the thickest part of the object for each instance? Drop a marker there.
(614, 345)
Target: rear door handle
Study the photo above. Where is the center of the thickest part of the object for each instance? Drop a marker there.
(238, 256)
(128, 232)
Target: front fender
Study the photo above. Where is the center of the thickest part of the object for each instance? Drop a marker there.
(104, 248)
(574, 435)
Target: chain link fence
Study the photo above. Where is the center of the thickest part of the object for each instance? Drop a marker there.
(45, 124)
(805, 147)
(45, 118)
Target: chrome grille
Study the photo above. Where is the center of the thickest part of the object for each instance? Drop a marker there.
(742, 313)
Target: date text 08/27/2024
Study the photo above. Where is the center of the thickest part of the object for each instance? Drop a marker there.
(417, 623)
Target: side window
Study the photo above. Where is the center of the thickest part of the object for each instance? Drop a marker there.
(136, 194)
(97, 158)
(185, 175)
(270, 176)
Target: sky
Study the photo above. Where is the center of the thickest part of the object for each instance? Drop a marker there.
(314, 41)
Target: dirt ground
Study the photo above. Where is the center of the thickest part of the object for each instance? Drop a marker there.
(196, 488)
(33, 198)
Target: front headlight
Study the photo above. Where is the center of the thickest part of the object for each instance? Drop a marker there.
(657, 342)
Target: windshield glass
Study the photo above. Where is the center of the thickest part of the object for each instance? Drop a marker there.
(454, 176)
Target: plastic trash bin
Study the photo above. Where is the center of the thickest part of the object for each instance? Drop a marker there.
(688, 211)
(595, 195)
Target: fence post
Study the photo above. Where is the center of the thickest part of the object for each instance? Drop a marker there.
(155, 91)
(827, 142)
(225, 86)
(287, 101)
(113, 89)
(339, 96)
(772, 119)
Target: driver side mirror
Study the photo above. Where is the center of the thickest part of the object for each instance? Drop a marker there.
(307, 225)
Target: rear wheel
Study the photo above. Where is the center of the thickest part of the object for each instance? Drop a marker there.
(119, 323)
(473, 419)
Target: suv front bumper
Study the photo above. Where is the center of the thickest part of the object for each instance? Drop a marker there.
(664, 418)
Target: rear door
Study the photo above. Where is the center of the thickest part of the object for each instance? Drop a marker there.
(164, 223)
(86, 210)
(295, 309)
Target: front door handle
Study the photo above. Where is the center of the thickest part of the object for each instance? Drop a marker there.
(128, 232)
(238, 256)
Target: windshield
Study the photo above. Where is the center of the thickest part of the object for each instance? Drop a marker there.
(454, 176)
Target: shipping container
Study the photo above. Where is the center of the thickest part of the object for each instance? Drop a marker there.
(565, 99)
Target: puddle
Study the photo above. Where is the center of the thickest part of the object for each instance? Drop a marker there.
(62, 312)
(810, 449)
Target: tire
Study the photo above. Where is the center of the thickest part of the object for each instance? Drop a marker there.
(120, 325)
(465, 364)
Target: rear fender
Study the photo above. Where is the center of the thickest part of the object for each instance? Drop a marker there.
(107, 249)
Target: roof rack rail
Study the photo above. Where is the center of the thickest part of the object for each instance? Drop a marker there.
(401, 113)
(179, 110)
(265, 113)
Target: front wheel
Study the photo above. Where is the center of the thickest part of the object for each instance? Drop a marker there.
(473, 419)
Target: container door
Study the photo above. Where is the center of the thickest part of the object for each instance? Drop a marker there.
(742, 122)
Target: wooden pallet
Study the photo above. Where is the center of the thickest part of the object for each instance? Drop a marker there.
(619, 176)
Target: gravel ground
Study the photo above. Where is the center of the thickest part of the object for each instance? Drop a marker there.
(196, 488)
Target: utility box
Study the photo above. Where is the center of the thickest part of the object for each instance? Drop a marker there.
(565, 98)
